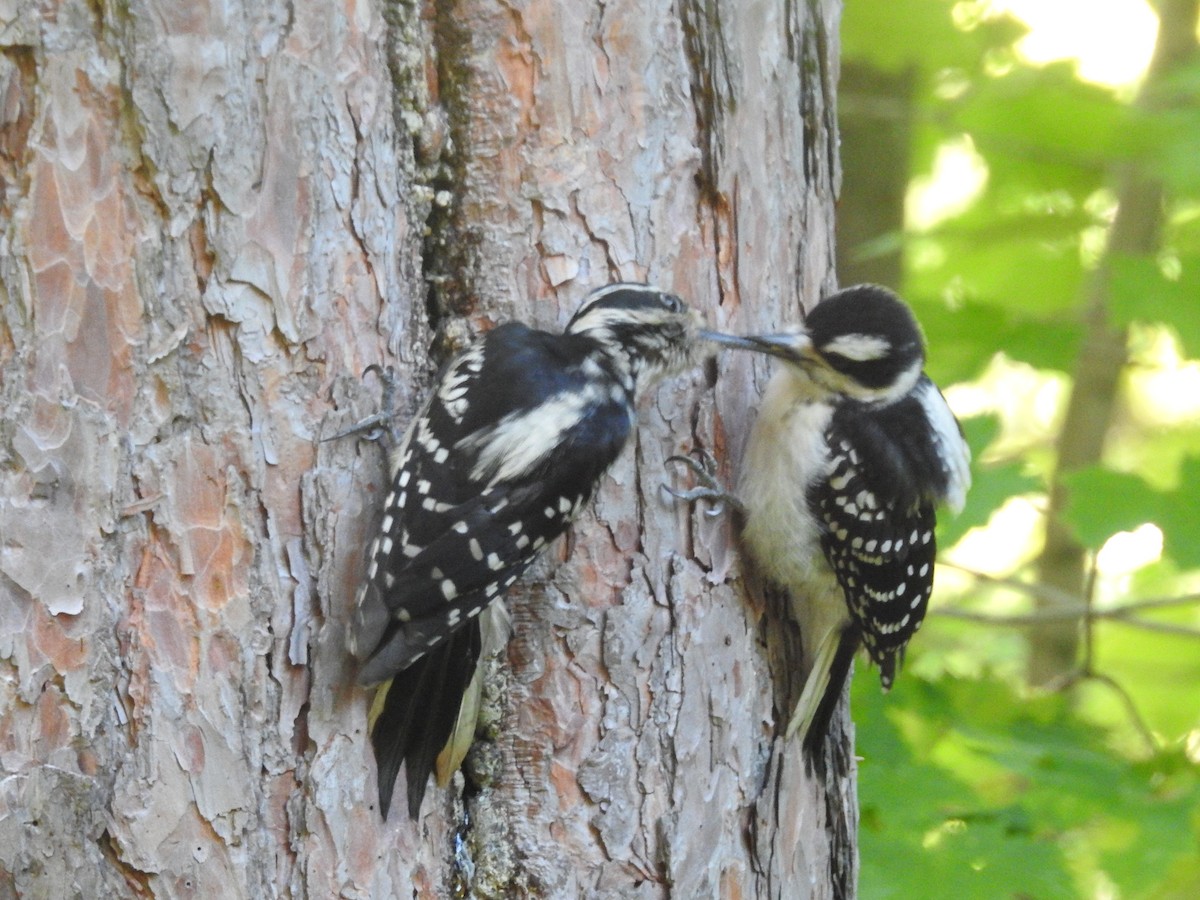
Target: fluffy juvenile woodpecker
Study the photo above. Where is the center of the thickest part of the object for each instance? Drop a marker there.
(852, 451)
(499, 460)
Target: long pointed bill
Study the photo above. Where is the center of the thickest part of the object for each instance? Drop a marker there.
(728, 340)
(789, 345)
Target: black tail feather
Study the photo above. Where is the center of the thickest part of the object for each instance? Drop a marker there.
(419, 713)
(815, 739)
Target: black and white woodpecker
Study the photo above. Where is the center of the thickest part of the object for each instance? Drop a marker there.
(499, 460)
(852, 450)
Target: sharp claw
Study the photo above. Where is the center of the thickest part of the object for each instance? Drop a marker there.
(381, 423)
(702, 469)
(709, 490)
(377, 369)
(686, 460)
(693, 494)
(374, 426)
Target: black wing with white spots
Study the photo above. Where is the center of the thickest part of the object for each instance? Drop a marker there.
(877, 509)
(480, 487)
(888, 452)
(503, 455)
(498, 462)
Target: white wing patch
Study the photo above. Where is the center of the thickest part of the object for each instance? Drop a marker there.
(954, 452)
(522, 439)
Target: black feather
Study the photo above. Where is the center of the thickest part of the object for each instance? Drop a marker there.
(877, 510)
(814, 745)
(418, 715)
(505, 451)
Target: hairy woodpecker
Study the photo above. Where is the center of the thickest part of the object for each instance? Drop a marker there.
(499, 460)
(852, 451)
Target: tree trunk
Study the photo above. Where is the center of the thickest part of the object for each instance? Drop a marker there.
(876, 113)
(214, 219)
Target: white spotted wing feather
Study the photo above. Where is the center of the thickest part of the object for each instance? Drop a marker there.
(495, 466)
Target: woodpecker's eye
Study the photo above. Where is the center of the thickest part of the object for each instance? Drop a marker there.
(673, 303)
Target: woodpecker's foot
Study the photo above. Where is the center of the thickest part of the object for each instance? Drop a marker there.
(708, 488)
(381, 424)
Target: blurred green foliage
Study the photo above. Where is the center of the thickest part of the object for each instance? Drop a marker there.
(970, 789)
(971, 784)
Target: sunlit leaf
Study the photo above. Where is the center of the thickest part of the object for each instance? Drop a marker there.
(991, 485)
(964, 338)
(1047, 114)
(1005, 264)
(921, 33)
(1102, 502)
(1138, 291)
(956, 836)
(1161, 670)
(1180, 519)
(1010, 787)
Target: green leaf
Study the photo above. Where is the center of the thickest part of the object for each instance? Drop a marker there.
(1049, 114)
(1179, 519)
(921, 34)
(969, 789)
(1166, 131)
(1005, 265)
(962, 839)
(964, 338)
(1161, 670)
(991, 486)
(1138, 291)
(1102, 502)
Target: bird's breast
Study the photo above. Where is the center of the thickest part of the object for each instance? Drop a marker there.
(785, 454)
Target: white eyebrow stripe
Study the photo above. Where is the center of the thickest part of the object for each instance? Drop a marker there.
(858, 347)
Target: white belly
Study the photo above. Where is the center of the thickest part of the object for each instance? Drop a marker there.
(786, 452)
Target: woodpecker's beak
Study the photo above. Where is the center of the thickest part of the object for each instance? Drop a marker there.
(793, 345)
(790, 345)
(728, 340)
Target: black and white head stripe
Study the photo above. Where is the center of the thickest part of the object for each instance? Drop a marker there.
(860, 344)
(622, 303)
(644, 331)
(868, 334)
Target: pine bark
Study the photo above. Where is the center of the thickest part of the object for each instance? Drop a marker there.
(214, 218)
